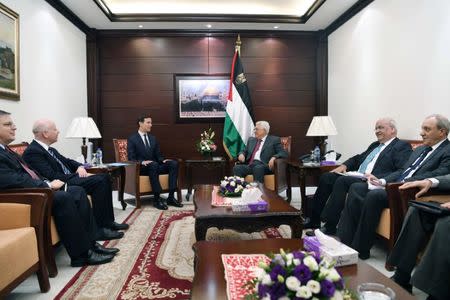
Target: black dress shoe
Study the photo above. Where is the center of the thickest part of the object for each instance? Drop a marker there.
(328, 231)
(406, 285)
(118, 226)
(310, 224)
(364, 256)
(108, 234)
(92, 258)
(173, 202)
(99, 248)
(160, 205)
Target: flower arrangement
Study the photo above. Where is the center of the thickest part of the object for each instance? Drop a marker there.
(297, 275)
(232, 186)
(206, 144)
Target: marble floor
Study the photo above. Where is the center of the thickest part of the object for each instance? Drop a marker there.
(29, 289)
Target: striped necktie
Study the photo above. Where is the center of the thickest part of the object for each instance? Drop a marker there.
(63, 166)
(415, 164)
(369, 158)
(146, 142)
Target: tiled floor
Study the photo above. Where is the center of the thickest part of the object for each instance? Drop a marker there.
(29, 289)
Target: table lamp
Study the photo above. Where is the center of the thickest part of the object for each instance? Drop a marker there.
(322, 126)
(83, 127)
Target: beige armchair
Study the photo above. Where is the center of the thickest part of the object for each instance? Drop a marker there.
(22, 219)
(138, 185)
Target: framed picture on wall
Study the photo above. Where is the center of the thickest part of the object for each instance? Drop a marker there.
(201, 98)
(9, 53)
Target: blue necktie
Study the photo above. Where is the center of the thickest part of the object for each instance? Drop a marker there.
(63, 166)
(415, 164)
(369, 158)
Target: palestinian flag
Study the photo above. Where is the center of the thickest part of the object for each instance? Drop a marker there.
(239, 122)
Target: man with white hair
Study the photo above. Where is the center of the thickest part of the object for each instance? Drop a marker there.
(260, 153)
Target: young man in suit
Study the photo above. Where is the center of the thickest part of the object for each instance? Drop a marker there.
(71, 210)
(384, 156)
(144, 148)
(365, 203)
(52, 165)
(432, 275)
(260, 153)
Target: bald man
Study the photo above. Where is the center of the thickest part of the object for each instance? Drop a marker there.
(52, 165)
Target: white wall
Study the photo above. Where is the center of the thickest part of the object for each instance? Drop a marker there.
(52, 72)
(391, 59)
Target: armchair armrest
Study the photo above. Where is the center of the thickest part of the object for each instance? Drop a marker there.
(280, 171)
(432, 195)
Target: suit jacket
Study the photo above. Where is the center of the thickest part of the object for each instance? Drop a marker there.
(13, 175)
(390, 159)
(39, 158)
(436, 164)
(272, 148)
(444, 182)
(137, 152)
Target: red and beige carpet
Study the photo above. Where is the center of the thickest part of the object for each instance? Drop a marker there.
(156, 260)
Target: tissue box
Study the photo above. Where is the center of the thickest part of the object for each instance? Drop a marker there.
(258, 206)
(342, 255)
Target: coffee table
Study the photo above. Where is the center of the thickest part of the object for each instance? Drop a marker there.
(209, 279)
(279, 213)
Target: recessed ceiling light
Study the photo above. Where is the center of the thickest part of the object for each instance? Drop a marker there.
(140, 26)
(276, 27)
(208, 25)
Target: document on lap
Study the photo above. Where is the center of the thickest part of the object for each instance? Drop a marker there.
(353, 174)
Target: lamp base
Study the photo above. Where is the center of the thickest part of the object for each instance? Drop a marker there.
(84, 152)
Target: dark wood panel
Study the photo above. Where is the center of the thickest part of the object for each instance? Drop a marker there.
(259, 65)
(125, 99)
(136, 82)
(165, 65)
(298, 82)
(153, 47)
(293, 99)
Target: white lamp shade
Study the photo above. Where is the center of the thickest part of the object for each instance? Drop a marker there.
(321, 126)
(83, 127)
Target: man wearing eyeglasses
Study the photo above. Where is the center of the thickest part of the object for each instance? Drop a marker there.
(259, 155)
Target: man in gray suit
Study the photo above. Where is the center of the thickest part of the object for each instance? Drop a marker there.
(365, 203)
(432, 275)
(259, 154)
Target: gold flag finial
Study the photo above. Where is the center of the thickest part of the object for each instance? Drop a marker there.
(238, 44)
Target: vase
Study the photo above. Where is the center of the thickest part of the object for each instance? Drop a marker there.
(207, 155)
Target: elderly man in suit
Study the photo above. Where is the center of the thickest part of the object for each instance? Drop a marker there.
(365, 202)
(384, 156)
(432, 275)
(260, 153)
(71, 210)
(52, 165)
(144, 148)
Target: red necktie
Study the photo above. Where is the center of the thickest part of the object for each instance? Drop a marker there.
(258, 143)
(23, 164)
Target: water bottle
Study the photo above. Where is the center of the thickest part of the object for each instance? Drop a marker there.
(317, 154)
(100, 156)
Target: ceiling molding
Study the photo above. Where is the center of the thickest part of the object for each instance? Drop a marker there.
(66, 12)
(347, 15)
(209, 17)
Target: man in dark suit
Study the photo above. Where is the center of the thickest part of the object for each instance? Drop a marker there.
(52, 165)
(71, 210)
(382, 157)
(432, 275)
(365, 203)
(259, 154)
(144, 148)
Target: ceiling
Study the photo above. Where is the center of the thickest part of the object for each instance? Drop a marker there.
(91, 14)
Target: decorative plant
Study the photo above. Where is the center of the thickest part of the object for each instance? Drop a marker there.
(206, 144)
(232, 186)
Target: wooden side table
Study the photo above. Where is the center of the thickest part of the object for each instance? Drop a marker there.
(117, 172)
(209, 164)
(303, 172)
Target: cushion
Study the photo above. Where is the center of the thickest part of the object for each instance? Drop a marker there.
(145, 186)
(385, 224)
(14, 215)
(18, 252)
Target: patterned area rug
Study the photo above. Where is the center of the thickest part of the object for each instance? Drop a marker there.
(155, 261)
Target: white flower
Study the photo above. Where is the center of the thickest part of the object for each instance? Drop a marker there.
(296, 261)
(223, 183)
(292, 283)
(232, 183)
(324, 272)
(314, 286)
(337, 296)
(333, 275)
(311, 263)
(266, 280)
(290, 256)
(266, 298)
(236, 190)
(260, 273)
(288, 262)
(284, 298)
(303, 292)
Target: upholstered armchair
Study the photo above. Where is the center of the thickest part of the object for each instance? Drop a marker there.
(22, 247)
(138, 185)
(277, 181)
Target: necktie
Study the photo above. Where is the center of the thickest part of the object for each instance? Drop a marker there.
(415, 164)
(63, 166)
(369, 158)
(258, 143)
(146, 142)
(23, 164)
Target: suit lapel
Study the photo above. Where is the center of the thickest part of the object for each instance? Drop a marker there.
(386, 150)
(430, 159)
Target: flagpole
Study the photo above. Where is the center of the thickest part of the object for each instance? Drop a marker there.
(238, 44)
